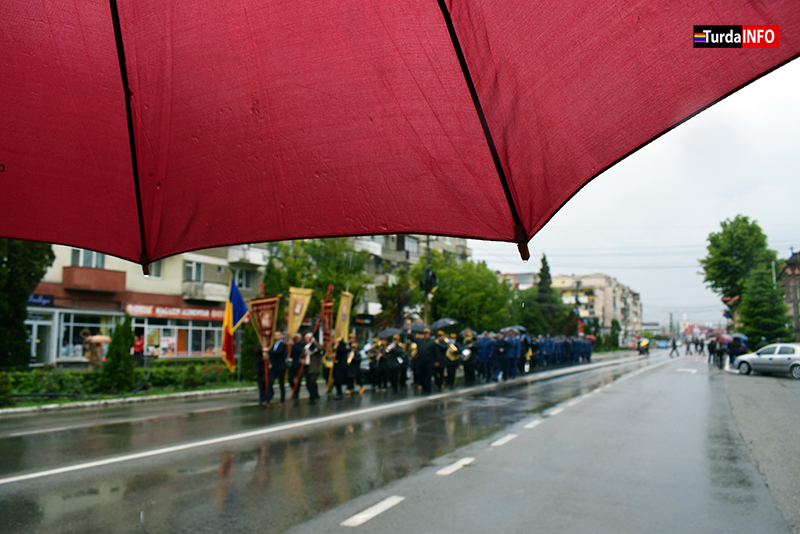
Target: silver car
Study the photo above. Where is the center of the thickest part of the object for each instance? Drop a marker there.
(775, 358)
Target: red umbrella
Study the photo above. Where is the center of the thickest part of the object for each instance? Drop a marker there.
(256, 121)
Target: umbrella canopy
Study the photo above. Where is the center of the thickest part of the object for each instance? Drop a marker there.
(740, 336)
(199, 124)
(444, 322)
(418, 327)
(518, 328)
(389, 332)
(98, 338)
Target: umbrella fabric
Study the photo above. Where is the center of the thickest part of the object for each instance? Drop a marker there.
(740, 336)
(389, 332)
(490, 114)
(418, 327)
(444, 322)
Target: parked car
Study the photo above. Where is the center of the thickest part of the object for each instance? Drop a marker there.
(774, 358)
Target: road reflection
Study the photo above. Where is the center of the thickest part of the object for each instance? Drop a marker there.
(276, 481)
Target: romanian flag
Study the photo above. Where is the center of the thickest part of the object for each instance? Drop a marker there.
(235, 313)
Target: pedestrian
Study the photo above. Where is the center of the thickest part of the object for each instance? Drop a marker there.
(688, 344)
(674, 348)
(485, 351)
(500, 358)
(513, 353)
(469, 354)
(354, 370)
(394, 356)
(441, 360)
(313, 367)
(340, 365)
(712, 349)
(261, 357)
(296, 359)
(277, 368)
(453, 361)
(426, 359)
(734, 350)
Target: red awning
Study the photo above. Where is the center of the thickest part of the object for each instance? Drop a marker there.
(260, 121)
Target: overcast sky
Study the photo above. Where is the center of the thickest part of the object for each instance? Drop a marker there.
(646, 220)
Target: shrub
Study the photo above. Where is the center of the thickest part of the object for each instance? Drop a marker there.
(118, 371)
(5, 391)
(190, 378)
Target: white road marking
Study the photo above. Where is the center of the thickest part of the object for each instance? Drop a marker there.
(555, 412)
(574, 402)
(684, 370)
(502, 441)
(452, 468)
(533, 424)
(214, 441)
(362, 517)
(42, 431)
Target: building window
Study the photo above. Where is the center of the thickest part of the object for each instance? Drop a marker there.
(192, 271)
(447, 240)
(244, 278)
(155, 270)
(88, 258)
(412, 245)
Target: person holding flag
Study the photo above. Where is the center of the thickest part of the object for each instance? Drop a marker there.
(236, 312)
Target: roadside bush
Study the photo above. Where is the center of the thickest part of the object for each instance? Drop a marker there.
(5, 391)
(118, 372)
(190, 378)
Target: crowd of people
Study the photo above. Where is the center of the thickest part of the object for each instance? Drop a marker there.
(427, 360)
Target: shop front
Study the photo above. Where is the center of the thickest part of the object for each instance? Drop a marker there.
(169, 331)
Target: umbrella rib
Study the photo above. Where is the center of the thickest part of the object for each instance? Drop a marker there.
(143, 259)
(520, 235)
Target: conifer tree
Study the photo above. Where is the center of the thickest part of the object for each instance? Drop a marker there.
(763, 310)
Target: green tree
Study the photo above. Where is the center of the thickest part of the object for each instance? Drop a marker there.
(554, 312)
(468, 292)
(733, 252)
(611, 341)
(22, 265)
(315, 264)
(5, 391)
(528, 312)
(395, 299)
(117, 373)
(763, 310)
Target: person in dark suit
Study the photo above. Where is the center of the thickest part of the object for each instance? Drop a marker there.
(427, 354)
(277, 368)
(260, 354)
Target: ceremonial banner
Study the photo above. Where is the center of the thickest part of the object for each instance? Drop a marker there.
(235, 313)
(327, 327)
(263, 316)
(343, 317)
(298, 304)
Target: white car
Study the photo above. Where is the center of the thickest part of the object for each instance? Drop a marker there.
(774, 358)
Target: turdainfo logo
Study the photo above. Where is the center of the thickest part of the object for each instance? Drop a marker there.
(736, 36)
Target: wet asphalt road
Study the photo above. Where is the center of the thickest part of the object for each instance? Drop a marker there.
(648, 452)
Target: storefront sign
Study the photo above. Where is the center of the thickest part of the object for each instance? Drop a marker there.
(175, 312)
(363, 320)
(45, 301)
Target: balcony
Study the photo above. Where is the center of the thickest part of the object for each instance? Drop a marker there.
(247, 255)
(91, 279)
(205, 291)
(373, 247)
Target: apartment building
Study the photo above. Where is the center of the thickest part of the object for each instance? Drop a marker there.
(178, 308)
(602, 297)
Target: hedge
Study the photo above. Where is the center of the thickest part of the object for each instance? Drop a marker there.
(49, 380)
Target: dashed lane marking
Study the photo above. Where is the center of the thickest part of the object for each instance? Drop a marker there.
(555, 412)
(502, 441)
(377, 509)
(533, 424)
(452, 468)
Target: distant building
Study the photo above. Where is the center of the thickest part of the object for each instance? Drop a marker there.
(602, 298)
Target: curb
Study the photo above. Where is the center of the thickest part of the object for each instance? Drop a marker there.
(125, 400)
